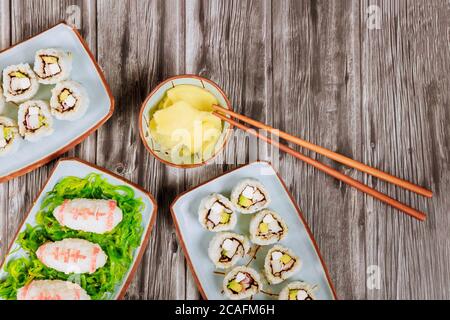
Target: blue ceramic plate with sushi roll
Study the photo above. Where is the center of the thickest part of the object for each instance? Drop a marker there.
(244, 237)
(53, 95)
(82, 239)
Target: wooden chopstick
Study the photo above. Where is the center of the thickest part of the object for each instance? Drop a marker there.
(330, 154)
(334, 173)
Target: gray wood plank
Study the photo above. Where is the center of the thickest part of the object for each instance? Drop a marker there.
(29, 18)
(405, 114)
(222, 38)
(316, 97)
(5, 18)
(311, 68)
(144, 38)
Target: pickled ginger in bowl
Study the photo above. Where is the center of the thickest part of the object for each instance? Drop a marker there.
(177, 125)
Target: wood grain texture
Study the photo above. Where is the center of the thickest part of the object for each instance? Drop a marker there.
(313, 68)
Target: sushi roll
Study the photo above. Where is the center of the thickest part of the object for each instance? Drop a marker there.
(19, 83)
(241, 283)
(227, 248)
(280, 264)
(250, 196)
(297, 291)
(89, 215)
(2, 101)
(267, 227)
(9, 136)
(35, 120)
(52, 65)
(69, 101)
(72, 256)
(216, 213)
(52, 290)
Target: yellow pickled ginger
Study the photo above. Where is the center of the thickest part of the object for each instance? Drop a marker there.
(184, 123)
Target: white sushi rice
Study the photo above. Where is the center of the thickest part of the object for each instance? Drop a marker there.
(69, 101)
(239, 274)
(227, 248)
(275, 269)
(10, 139)
(210, 213)
(52, 65)
(301, 291)
(253, 191)
(19, 83)
(267, 227)
(31, 127)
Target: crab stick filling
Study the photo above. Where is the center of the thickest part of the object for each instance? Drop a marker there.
(242, 282)
(6, 135)
(218, 214)
(50, 66)
(269, 227)
(230, 248)
(281, 262)
(250, 196)
(34, 119)
(67, 100)
(299, 294)
(19, 83)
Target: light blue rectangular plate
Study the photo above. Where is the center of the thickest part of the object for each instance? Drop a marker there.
(78, 168)
(195, 240)
(67, 134)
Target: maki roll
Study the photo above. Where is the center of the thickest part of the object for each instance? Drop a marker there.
(267, 227)
(19, 83)
(69, 101)
(35, 120)
(297, 291)
(89, 215)
(241, 283)
(2, 101)
(250, 196)
(52, 290)
(72, 256)
(280, 264)
(9, 136)
(52, 65)
(227, 248)
(216, 213)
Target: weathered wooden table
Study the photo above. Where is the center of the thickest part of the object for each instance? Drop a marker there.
(371, 82)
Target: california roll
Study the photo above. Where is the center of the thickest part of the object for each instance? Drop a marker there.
(280, 264)
(227, 248)
(52, 65)
(2, 101)
(241, 283)
(9, 136)
(35, 120)
(250, 196)
(69, 101)
(297, 290)
(19, 83)
(267, 227)
(216, 213)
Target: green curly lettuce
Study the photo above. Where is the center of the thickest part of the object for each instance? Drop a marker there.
(118, 244)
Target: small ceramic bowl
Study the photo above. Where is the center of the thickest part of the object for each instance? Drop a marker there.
(151, 103)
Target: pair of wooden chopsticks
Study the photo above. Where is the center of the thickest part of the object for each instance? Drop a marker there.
(222, 112)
